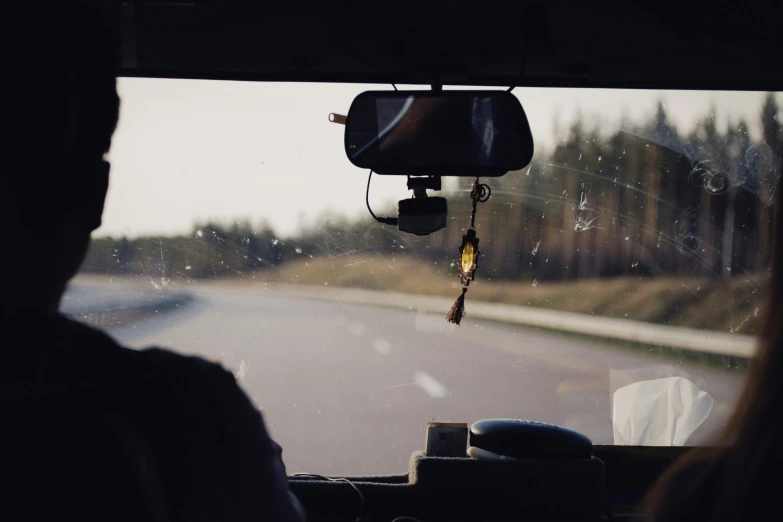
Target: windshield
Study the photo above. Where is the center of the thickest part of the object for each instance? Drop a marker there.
(620, 282)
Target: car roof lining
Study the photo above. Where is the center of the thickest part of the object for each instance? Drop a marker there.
(491, 42)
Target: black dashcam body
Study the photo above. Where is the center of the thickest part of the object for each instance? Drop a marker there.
(422, 216)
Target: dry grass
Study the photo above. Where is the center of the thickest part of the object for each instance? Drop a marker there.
(708, 303)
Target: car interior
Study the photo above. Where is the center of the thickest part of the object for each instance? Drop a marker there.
(450, 56)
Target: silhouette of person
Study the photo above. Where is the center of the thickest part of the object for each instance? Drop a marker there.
(93, 430)
(738, 479)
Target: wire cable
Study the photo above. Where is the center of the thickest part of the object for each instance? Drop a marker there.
(521, 69)
(366, 63)
(339, 479)
(384, 220)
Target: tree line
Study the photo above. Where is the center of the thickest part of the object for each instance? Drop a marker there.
(643, 200)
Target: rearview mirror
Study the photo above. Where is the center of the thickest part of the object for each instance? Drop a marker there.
(438, 133)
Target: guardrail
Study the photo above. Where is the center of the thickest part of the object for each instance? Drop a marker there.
(692, 339)
(121, 312)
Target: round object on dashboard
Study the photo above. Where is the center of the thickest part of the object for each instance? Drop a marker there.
(529, 440)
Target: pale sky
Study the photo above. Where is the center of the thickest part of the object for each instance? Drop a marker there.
(192, 150)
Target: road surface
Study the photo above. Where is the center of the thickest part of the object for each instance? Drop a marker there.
(348, 389)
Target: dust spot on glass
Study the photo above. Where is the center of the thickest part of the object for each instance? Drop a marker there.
(241, 371)
(717, 183)
(582, 202)
(536, 246)
(582, 224)
(688, 244)
(732, 329)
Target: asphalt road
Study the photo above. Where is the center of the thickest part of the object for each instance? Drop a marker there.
(348, 389)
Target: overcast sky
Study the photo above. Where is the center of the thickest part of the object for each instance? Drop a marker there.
(188, 151)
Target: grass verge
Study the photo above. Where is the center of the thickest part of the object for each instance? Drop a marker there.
(731, 306)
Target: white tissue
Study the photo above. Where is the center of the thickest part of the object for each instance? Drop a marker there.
(659, 412)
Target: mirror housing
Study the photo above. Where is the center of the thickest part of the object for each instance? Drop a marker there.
(438, 133)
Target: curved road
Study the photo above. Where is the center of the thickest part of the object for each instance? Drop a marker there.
(348, 389)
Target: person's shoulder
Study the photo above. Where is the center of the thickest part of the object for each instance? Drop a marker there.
(151, 366)
(203, 398)
(183, 369)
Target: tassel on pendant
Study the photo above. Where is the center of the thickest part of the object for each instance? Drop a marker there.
(457, 311)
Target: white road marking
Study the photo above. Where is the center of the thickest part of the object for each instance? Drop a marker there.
(381, 346)
(428, 383)
(357, 329)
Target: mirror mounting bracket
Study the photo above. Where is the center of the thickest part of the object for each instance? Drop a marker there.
(420, 184)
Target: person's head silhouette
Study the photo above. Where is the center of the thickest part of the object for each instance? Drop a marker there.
(59, 112)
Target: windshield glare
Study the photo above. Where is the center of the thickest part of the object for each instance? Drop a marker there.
(620, 280)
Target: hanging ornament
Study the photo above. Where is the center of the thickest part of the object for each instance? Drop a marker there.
(467, 263)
